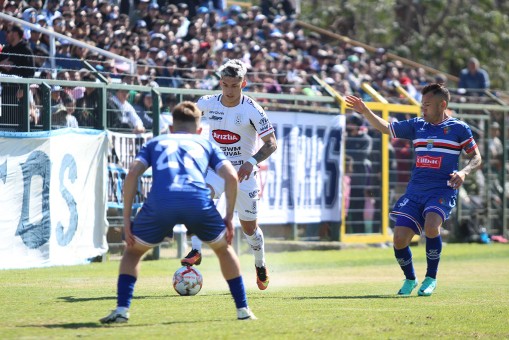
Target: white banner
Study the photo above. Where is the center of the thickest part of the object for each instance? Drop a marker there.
(301, 182)
(53, 197)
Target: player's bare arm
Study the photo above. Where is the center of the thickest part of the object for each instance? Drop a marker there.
(228, 173)
(358, 105)
(267, 149)
(136, 169)
(474, 163)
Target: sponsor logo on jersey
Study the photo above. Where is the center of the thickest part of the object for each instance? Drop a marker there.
(254, 194)
(428, 162)
(236, 163)
(213, 117)
(225, 137)
(231, 151)
(220, 113)
(429, 145)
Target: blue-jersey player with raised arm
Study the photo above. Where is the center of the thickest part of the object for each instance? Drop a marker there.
(179, 195)
(431, 194)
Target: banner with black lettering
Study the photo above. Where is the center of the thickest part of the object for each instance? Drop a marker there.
(53, 197)
(301, 182)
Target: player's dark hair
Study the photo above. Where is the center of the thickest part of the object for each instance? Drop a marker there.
(234, 68)
(186, 112)
(437, 90)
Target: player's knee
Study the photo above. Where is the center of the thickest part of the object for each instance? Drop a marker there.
(431, 231)
(249, 227)
(401, 240)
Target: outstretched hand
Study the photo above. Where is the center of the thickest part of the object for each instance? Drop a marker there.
(356, 104)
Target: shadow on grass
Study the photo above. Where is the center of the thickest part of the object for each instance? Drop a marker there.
(352, 297)
(112, 297)
(81, 325)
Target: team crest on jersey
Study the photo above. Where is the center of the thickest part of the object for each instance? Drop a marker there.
(429, 145)
(446, 130)
(441, 200)
(238, 119)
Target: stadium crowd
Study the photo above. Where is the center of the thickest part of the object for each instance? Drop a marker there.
(181, 43)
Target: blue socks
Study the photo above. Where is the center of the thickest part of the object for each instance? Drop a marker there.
(125, 290)
(433, 251)
(404, 258)
(238, 291)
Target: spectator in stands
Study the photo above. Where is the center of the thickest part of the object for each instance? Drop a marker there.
(145, 112)
(473, 77)
(358, 146)
(496, 149)
(87, 107)
(121, 114)
(63, 115)
(16, 59)
(51, 11)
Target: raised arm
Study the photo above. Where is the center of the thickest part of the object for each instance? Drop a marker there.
(358, 105)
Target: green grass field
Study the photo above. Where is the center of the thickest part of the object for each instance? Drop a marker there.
(313, 294)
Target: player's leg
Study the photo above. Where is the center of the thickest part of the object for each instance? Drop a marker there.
(209, 226)
(402, 237)
(254, 237)
(230, 267)
(128, 274)
(216, 187)
(247, 210)
(433, 251)
(408, 223)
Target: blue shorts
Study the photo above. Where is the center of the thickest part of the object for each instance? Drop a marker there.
(155, 221)
(410, 210)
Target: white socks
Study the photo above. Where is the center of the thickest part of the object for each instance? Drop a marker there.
(196, 243)
(256, 243)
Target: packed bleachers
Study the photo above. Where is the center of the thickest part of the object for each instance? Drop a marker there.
(180, 44)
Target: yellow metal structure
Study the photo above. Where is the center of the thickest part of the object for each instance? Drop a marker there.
(385, 108)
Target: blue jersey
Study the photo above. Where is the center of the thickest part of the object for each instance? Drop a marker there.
(179, 163)
(437, 150)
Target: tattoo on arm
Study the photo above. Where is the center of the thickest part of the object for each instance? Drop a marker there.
(473, 164)
(267, 149)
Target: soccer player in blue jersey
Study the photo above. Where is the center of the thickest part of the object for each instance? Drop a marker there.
(431, 194)
(179, 195)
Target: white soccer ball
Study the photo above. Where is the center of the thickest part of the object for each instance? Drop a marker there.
(187, 281)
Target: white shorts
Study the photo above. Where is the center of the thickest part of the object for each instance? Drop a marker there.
(248, 194)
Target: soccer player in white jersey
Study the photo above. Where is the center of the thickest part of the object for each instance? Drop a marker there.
(431, 194)
(236, 121)
(179, 195)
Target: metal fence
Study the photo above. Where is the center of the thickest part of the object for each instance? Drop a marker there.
(484, 200)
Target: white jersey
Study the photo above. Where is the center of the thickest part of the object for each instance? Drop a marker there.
(235, 129)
